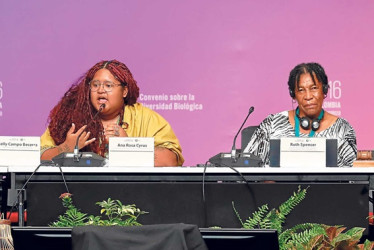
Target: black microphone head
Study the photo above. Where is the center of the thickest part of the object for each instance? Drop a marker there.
(102, 106)
(233, 150)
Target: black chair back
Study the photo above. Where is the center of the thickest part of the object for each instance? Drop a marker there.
(247, 135)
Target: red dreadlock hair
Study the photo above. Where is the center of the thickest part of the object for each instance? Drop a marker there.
(75, 106)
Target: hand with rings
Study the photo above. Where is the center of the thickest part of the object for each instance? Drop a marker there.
(114, 130)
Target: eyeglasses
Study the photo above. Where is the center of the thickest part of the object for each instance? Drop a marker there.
(107, 85)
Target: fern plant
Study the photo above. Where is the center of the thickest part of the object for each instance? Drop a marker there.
(275, 218)
(72, 216)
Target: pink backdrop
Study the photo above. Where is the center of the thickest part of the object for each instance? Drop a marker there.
(228, 55)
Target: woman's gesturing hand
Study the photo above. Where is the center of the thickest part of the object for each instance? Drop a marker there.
(71, 138)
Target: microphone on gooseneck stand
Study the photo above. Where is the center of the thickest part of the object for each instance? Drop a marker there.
(231, 160)
(76, 148)
(76, 159)
(233, 150)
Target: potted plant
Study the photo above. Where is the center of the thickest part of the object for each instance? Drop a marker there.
(306, 235)
(116, 212)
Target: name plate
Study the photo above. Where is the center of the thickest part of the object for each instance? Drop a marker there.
(296, 152)
(131, 151)
(17, 150)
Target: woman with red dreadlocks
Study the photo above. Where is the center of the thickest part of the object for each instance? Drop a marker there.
(110, 87)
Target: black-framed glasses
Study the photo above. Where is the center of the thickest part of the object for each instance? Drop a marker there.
(107, 85)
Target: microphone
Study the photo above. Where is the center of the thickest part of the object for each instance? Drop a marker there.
(76, 148)
(230, 160)
(233, 149)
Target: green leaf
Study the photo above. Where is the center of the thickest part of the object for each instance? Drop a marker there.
(355, 233)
